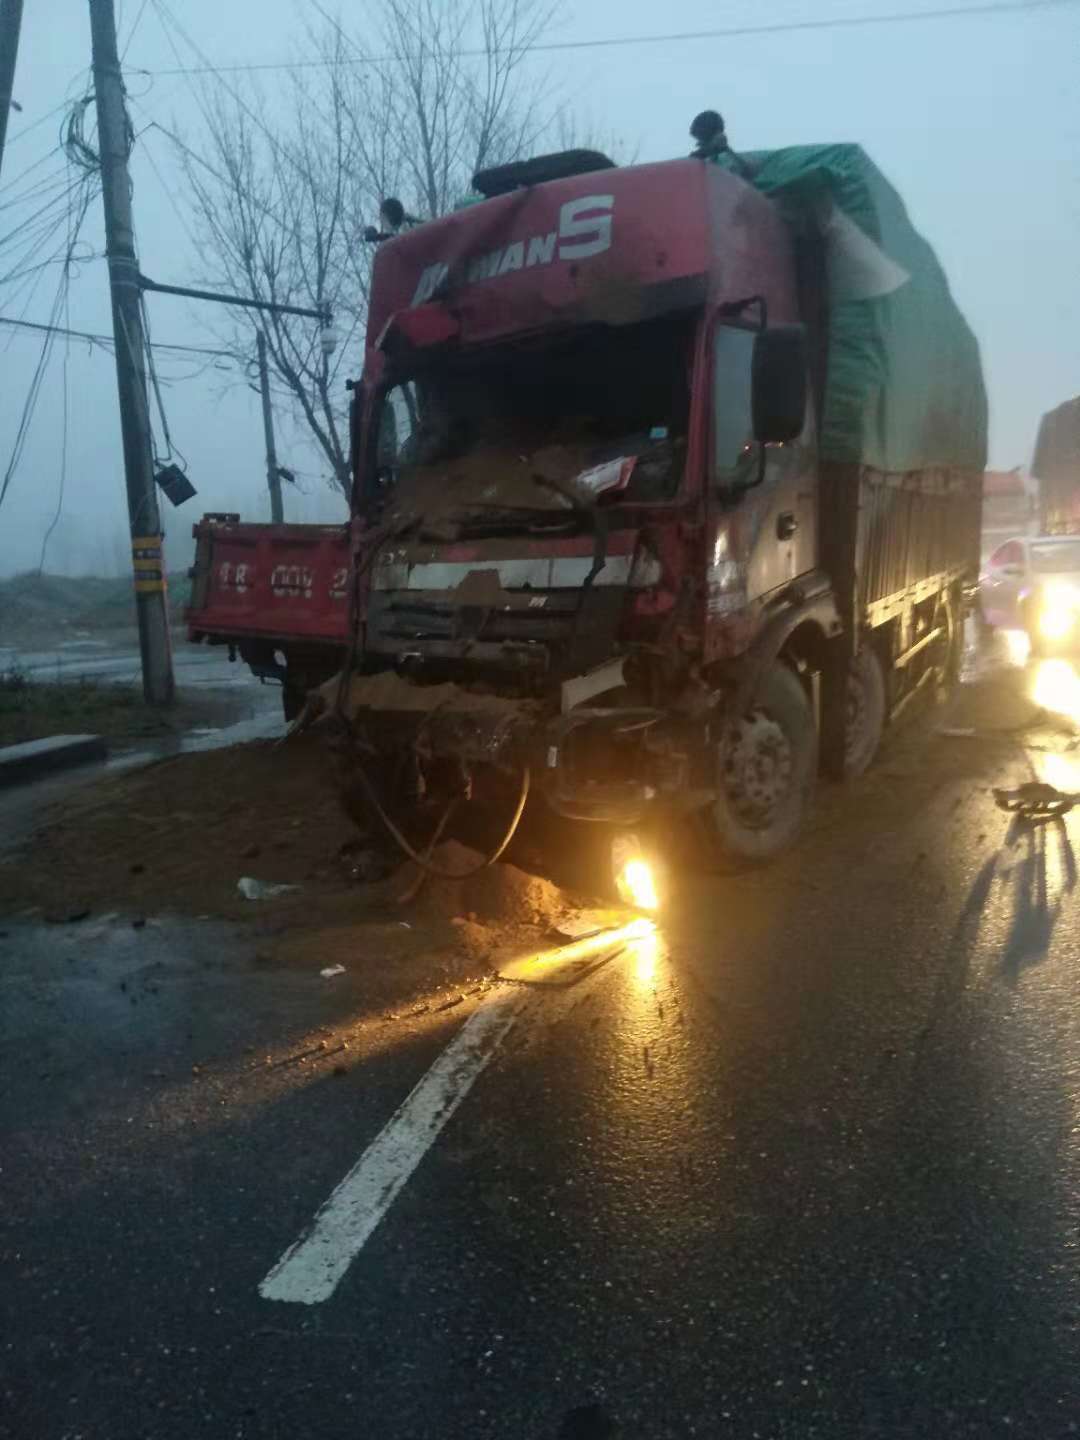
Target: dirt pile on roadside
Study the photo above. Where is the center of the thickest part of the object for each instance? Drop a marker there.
(489, 908)
(178, 836)
(501, 894)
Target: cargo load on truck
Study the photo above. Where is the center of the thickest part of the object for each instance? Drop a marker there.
(903, 379)
(1056, 466)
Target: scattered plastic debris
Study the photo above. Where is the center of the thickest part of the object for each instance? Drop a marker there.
(580, 924)
(331, 970)
(252, 889)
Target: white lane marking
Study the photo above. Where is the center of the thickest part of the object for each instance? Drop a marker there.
(309, 1271)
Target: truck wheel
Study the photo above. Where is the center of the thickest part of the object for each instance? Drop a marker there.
(766, 765)
(864, 720)
(951, 651)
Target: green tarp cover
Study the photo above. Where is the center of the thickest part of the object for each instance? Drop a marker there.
(904, 388)
(1057, 448)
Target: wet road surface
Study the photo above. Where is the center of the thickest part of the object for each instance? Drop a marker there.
(806, 1162)
(105, 660)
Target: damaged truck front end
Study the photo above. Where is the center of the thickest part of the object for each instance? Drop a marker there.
(575, 645)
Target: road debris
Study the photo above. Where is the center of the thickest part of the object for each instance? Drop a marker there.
(252, 889)
(330, 970)
(1036, 801)
(580, 924)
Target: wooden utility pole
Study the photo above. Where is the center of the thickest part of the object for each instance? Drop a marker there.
(148, 558)
(10, 24)
(273, 478)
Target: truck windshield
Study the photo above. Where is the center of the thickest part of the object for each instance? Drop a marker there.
(512, 429)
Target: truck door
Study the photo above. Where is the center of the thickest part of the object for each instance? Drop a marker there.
(777, 521)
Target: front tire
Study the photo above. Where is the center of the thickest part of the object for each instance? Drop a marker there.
(765, 773)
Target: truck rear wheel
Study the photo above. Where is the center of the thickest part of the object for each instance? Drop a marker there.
(951, 647)
(864, 720)
(765, 773)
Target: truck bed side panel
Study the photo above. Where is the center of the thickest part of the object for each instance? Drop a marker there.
(278, 582)
(890, 539)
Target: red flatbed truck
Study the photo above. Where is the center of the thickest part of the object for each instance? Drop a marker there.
(276, 595)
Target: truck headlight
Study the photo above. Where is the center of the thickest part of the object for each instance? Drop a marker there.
(636, 874)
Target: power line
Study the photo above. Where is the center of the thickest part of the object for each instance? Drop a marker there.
(131, 32)
(63, 197)
(107, 340)
(10, 184)
(72, 230)
(851, 22)
(30, 283)
(252, 200)
(57, 180)
(162, 11)
(76, 216)
(28, 129)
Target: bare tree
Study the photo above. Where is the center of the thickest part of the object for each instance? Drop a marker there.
(282, 192)
(274, 207)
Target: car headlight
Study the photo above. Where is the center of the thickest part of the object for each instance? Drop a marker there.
(1058, 613)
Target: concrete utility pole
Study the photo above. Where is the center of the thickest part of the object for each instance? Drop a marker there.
(273, 479)
(148, 560)
(10, 24)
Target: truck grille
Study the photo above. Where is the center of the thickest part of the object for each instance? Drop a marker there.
(564, 630)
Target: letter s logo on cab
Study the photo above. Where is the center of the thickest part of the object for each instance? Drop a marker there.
(585, 226)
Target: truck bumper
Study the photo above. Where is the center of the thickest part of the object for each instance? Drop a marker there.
(596, 764)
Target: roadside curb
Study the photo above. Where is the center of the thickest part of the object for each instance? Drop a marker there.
(40, 757)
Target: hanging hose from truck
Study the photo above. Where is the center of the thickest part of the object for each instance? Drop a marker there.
(425, 864)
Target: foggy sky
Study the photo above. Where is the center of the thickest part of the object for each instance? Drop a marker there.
(975, 121)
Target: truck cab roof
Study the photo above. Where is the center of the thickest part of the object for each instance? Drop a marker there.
(611, 246)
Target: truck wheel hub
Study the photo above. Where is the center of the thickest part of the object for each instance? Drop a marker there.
(757, 768)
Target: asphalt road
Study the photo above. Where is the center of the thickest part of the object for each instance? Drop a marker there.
(805, 1163)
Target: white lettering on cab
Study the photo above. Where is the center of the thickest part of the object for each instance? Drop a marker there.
(585, 229)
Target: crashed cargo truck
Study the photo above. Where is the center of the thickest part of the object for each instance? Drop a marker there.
(667, 484)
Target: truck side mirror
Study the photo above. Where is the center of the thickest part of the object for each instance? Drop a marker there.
(778, 384)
